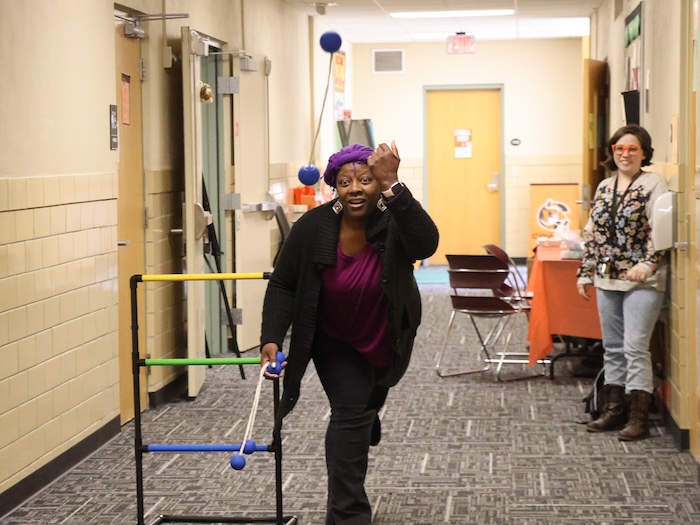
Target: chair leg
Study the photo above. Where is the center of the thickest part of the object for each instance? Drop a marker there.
(523, 360)
(438, 367)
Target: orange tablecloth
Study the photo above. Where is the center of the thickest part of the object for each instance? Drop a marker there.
(557, 308)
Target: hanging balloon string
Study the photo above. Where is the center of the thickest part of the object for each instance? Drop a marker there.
(323, 107)
(309, 173)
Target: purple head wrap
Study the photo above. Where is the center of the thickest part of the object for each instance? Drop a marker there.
(356, 153)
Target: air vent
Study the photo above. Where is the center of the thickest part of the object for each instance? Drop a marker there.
(387, 61)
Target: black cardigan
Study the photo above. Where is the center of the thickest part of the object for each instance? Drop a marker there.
(402, 234)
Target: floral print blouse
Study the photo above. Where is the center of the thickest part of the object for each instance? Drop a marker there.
(618, 249)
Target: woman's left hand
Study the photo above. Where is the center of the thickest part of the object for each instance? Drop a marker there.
(384, 165)
(638, 273)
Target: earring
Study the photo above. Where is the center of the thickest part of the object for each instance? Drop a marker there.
(337, 207)
(381, 205)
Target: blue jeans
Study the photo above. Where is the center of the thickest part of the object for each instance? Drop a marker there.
(627, 320)
(349, 382)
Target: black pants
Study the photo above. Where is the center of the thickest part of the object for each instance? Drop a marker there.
(348, 380)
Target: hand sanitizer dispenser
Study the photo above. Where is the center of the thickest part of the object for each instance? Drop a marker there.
(663, 227)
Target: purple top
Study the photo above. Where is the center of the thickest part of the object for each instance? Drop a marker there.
(353, 307)
(354, 153)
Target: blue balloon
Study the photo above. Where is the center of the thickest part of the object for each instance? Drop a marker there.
(331, 41)
(309, 174)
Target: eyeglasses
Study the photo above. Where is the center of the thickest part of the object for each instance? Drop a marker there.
(631, 149)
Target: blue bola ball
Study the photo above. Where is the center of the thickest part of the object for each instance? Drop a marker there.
(238, 462)
(331, 41)
(309, 174)
(249, 447)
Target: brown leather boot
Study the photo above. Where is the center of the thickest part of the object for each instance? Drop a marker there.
(613, 417)
(638, 424)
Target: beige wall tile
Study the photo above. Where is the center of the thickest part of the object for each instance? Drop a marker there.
(19, 389)
(4, 198)
(34, 255)
(35, 192)
(9, 360)
(59, 395)
(8, 294)
(52, 311)
(59, 279)
(4, 395)
(16, 258)
(18, 323)
(35, 317)
(8, 227)
(87, 215)
(54, 440)
(3, 261)
(27, 417)
(67, 189)
(52, 191)
(73, 217)
(9, 427)
(44, 408)
(24, 227)
(42, 222)
(82, 188)
(50, 250)
(66, 248)
(26, 293)
(4, 328)
(17, 191)
(59, 340)
(87, 271)
(80, 244)
(58, 220)
(43, 346)
(42, 284)
(26, 350)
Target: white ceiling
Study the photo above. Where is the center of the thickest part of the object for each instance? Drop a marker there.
(368, 21)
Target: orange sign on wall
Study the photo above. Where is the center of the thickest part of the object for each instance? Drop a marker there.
(552, 206)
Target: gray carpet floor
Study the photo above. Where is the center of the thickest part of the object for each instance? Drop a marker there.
(460, 450)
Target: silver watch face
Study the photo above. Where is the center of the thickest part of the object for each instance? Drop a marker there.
(390, 192)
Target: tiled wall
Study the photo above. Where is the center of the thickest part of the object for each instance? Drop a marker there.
(59, 378)
(675, 318)
(165, 301)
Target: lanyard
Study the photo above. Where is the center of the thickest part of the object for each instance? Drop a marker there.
(614, 204)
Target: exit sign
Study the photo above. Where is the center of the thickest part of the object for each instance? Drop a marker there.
(461, 44)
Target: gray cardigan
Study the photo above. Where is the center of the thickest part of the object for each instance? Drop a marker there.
(402, 234)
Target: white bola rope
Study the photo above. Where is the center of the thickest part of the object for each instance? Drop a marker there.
(254, 409)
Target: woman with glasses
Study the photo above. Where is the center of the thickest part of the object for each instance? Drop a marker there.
(629, 275)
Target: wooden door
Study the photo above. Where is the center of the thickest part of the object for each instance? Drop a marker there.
(130, 211)
(595, 111)
(464, 176)
(195, 222)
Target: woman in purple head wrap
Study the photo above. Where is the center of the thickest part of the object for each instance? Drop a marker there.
(344, 283)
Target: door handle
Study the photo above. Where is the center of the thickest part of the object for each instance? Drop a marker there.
(123, 243)
(494, 185)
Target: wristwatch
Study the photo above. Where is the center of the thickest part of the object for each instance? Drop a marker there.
(391, 192)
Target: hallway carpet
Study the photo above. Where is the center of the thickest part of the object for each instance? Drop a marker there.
(460, 450)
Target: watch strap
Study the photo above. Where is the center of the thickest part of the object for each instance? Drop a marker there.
(391, 192)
